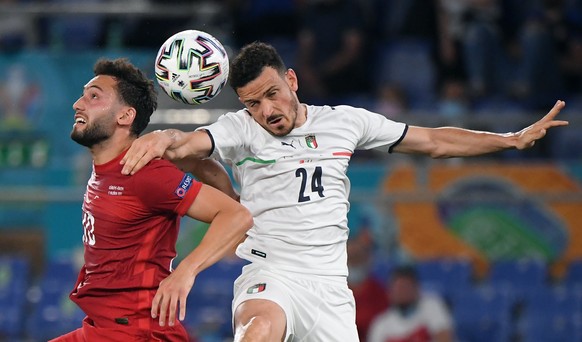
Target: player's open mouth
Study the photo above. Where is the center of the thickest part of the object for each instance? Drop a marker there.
(275, 121)
(79, 121)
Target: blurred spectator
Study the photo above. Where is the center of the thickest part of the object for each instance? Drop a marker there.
(405, 53)
(369, 294)
(413, 316)
(17, 31)
(391, 101)
(472, 38)
(453, 102)
(333, 61)
(152, 31)
(406, 19)
(270, 14)
(550, 64)
(73, 31)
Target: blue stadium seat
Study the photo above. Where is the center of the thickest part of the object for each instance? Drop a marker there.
(53, 313)
(219, 278)
(573, 275)
(445, 276)
(14, 282)
(552, 314)
(208, 310)
(520, 276)
(382, 266)
(482, 314)
(407, 63)
(554, 300)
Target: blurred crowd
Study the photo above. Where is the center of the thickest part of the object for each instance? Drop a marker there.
(388, 55)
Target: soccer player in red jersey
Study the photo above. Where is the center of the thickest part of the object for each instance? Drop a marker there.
(127, 286)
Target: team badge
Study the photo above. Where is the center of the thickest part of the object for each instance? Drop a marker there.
(311, 141)
(257, 288)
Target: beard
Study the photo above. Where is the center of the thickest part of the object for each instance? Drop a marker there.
(293, 118)
(91, 135)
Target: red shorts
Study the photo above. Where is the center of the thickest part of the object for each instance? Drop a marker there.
(90, 333)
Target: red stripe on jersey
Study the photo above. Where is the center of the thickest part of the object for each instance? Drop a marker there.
(347, 154)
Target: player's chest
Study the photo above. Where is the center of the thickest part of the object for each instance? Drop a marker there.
(110, 199)
(308, 146)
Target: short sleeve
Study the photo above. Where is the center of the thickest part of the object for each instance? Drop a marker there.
(162, 187)
(228, 135)
(375, 130)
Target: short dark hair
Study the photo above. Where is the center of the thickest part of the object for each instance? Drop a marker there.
(250, 62)
(133, 87)
(405, 271)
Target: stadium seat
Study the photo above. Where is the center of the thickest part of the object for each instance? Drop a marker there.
(53, 313)
(558, 299)
(208, 309)
(573, 275)
(520, 276)
(382, 266)
(552, 314)
(445, 275)
(407, 63)
(14, 281)
(482, 314)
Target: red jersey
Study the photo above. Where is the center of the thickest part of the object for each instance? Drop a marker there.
(130, 228)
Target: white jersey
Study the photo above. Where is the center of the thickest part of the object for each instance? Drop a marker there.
(430, 317)
(296, 186)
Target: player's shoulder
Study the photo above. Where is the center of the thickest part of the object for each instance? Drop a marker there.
(337, 110)
(239, 115)
(156, 167)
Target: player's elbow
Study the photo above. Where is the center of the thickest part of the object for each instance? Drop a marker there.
(244, 218)
(439, 154)
(436, 151)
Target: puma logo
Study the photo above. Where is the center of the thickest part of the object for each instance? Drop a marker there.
(288, 144)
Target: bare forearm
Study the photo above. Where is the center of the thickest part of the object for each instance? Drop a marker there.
(224, 234)
(458, 142)
(211, 172)
(186, 144)
(446, 142)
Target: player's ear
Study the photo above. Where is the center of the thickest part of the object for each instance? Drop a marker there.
(291, 78)
(127, 116)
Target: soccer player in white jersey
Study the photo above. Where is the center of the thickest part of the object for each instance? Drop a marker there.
(290, 160)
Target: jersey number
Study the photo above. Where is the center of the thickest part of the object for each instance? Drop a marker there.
(316, 185)
(88, 229)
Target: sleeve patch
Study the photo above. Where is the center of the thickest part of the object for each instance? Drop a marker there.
(185, 184)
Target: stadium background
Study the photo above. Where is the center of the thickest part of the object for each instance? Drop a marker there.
(500, 237)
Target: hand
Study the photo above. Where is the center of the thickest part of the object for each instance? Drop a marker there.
(144, 149)
(527, 137)
(173, 291)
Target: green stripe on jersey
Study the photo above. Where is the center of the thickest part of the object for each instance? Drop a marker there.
(256, 160)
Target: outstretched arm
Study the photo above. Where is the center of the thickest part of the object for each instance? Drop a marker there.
(171, 144)
(446, 142)
(229, 222)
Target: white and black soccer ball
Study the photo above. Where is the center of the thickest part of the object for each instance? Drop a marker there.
(192, 67)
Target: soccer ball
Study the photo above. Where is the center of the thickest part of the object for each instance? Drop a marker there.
(192, 67)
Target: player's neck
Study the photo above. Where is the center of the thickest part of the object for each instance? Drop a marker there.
(301, 115)
(109, 149)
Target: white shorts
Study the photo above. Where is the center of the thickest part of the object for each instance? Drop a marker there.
(317, 309)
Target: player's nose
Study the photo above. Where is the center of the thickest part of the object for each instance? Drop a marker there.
(267, 109)
(77, 104)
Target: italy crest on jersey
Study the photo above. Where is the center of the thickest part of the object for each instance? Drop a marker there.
(311, 141)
